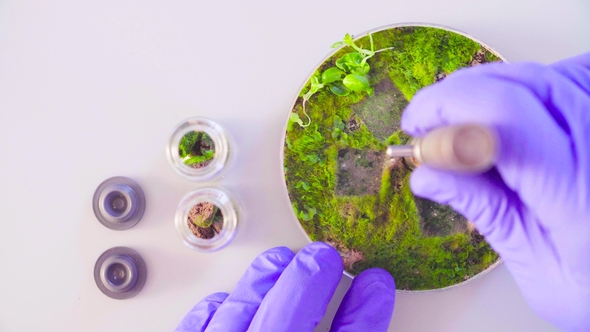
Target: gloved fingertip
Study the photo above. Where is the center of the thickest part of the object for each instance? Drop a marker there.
(323, 253)
(278, 256)
(218, 297)
(298, 300)
(199, 316)
(579, 60)
(412, 117)
(426, 182)
(368, 304)
(376, 278)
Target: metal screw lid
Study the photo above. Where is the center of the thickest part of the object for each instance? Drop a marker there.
(118, 203)
(120, 273)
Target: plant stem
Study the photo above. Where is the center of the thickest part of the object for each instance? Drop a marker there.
(384, 49)
(304, 112)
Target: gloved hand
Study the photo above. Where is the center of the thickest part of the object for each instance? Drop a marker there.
(534, 206)
(282, 291)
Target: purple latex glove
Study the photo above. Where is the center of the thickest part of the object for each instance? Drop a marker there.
(282, 291)
(534, 206)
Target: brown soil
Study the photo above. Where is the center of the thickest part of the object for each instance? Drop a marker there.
(478, 58)
(199, 165)
(205, 214)
(439, 220)
(353, 124)
(439, 77)
(359, 172)
(349, 256)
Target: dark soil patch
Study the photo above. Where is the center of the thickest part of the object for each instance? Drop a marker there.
(439, 220)
(478, 58)
(205, 220)
(398, 171)
(349, 256)
(353, 124)
(359, 172)
(382, 112)
(440, 76)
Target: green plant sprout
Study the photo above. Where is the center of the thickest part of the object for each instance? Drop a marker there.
(196, 148)
(349, 75)
(205, 220)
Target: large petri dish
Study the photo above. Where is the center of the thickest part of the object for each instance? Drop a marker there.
(343, 189)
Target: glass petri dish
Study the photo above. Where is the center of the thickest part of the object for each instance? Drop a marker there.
(342, 188)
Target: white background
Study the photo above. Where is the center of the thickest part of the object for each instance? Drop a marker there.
(92, 89)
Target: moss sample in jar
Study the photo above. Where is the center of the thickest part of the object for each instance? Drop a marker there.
(196, 149)
(343, 189)
(205, 220)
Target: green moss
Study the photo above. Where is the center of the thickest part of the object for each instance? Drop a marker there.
(422, 53)
(384, 227)
(196, 148)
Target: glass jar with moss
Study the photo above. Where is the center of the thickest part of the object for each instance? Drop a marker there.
(199, 149)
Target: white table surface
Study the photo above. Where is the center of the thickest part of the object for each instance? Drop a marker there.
(92, 89)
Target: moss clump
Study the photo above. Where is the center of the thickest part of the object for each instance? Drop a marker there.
(196, 149)
(385, 229)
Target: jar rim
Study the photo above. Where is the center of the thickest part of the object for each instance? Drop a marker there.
(229, 209)
(221, 143)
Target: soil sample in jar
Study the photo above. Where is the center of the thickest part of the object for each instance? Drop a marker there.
(205, 220)
(196, 149)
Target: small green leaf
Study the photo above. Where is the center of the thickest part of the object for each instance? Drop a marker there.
(315, 85)
(332, 74)
(362, 69)
(303, 185)
(339, 89)
(312, 212)
(336, 133)
(343, 138)
(347, 40)
(296, 119)
(206, 156)
(353, 59)
(338, 123)
(353, 63)
(193, 160)
(337, 44)
(313, 158)
(356, 82)
(317, 136)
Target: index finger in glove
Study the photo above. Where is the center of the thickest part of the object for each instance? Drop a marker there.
(198, 318)
(241, 305)
(368, 304)
(298, 300)
(535, 152)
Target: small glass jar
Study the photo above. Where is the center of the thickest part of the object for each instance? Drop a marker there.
(222, 149)
(229, 210)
